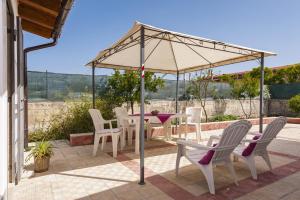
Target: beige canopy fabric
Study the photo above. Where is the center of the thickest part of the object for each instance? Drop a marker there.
(171, 52)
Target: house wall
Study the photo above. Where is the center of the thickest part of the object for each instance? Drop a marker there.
(4, 107)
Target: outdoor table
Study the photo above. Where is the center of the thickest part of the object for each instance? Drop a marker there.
(164, 118)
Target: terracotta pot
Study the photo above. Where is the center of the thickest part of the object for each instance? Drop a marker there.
(41, 164)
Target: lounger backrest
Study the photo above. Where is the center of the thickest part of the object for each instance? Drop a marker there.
(121, 113)
(270, 133)
(195, 114)
(97, 118)
(231, 138)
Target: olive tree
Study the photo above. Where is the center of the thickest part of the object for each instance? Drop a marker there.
(199, 88)
(125, 87)
(243, 89)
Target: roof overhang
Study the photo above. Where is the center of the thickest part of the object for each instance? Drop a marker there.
(171, 52)
(41, 17)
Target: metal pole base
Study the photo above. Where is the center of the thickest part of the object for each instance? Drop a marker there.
(142, 183)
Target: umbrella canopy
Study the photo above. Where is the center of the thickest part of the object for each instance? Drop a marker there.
(171, 52)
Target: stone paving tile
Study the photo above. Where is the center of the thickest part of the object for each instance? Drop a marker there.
(75, 174)
(286, 188)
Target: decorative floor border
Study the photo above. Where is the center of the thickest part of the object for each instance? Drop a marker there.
(229, 192)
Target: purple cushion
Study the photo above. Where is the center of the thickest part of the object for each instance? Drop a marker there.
(208, 156)
(248, 150)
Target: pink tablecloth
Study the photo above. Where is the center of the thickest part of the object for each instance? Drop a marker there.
(163, 117)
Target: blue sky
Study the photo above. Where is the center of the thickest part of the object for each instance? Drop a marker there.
(92, 25)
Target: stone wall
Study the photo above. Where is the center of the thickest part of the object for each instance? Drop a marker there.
(278, 107)
(213, 107)
(40, 112)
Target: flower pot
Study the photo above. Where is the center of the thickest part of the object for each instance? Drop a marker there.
(41, 164)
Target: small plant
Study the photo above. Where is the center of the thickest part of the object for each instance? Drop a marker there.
(41, 154)
(220, 118)
(41, 150)
(294, 104)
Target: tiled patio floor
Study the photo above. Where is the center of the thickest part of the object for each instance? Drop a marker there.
(75, 174)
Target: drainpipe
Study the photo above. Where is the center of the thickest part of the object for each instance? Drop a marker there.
(55, 34)
(26, 51)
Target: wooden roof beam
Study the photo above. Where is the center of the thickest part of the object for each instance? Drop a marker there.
(36, 16)
(36, 29)
(51, 7)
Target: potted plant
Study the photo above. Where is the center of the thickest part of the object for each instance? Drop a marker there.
(41, 154)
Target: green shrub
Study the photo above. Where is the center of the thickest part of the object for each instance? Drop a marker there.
(294, 104)
(219, 118)
(74, 119)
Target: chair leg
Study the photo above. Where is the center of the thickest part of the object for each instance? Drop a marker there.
(130, 134)
(251, 164)
(179, 155)
(198, 132)
(185, 130)
(122, 139)
(208, 173)
(149, 130)
(266, 157)
(96, 143)
(104, 138)
(230, 167)
(115, 139)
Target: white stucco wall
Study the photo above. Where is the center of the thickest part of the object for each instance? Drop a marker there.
(4, 98)
(3, 104)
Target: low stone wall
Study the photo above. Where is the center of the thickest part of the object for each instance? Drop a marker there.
(213, 107)
(88, 138)
(39, 113)
(278, 107)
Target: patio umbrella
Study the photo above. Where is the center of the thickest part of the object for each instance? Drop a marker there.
(149, 48)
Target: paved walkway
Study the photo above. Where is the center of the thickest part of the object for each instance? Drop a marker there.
(75, 174)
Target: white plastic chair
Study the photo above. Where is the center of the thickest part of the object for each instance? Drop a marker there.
(260, 145)
(231, 138)
(194, 118)
(99, 122)
(125, 123)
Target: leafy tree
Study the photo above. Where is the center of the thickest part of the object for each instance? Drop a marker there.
(125, 87)
(199, 88)
(278, 77)
(293, 74)
(243, 89)
(268, 74)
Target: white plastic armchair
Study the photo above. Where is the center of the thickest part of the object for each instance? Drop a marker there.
(99, 123)
(205, 157)
(258, 146)
(194, 118)
(125, 123)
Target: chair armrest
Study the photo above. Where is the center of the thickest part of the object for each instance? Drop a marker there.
(109, 122)
(212, 138)
(193, 144)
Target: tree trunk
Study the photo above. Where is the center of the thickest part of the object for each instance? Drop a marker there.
(250, 112)
(205, 113)
(243, 108)
(131, 106)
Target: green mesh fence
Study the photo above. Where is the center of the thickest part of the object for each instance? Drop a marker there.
(46, 86)
(284, 91)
